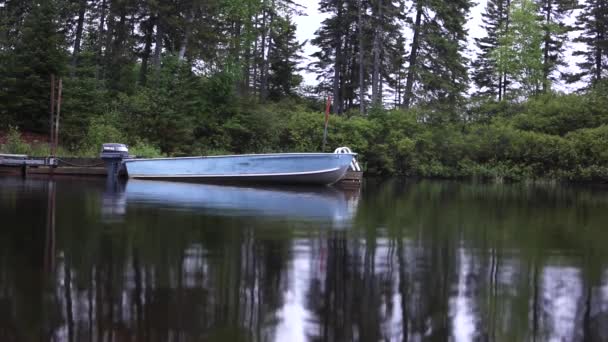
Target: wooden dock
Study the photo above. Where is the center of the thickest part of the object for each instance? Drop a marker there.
(23, 162)
(19, 163)
(353, 179)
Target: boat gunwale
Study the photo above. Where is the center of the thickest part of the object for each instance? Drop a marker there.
(240, 155)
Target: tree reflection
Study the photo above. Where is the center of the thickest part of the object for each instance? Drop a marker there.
(421, 261)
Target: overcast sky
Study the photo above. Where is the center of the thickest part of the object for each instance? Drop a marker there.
(307, 25)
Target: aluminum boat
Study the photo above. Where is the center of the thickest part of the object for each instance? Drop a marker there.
(282, 168)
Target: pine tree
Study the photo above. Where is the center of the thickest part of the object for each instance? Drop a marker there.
(359, 47)
(437, 66)
(593, 22)
(283, 59)
(413, 59)
(485, 73)
(38, 52)
(554, 13)
(331, 38)
(386, 18)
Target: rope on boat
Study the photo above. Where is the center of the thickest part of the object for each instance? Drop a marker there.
(354, 165)
(76, 165)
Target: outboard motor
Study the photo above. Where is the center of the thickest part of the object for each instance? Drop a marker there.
(113, 154)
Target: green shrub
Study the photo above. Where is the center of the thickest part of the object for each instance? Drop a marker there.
(145, 150)
(102, 130)
(14, 144)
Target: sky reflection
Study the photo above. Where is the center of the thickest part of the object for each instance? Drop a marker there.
(414, 261)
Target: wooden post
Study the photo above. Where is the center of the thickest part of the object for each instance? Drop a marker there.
(24, 170)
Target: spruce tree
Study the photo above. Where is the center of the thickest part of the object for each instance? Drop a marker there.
(437, 66)
(593, 24)
(485, 73)
(284, 59)
(359, 47)
(38, 52)
(387, 17)
(554, 14)
(330, 38)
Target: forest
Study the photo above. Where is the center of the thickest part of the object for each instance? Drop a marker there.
(412, 92)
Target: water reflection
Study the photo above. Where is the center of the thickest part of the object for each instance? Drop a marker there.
(313, 203)
(414, 261)
(114, 200)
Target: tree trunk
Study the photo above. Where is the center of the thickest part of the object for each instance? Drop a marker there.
(187, 32)
(504, 75)
(409, 83)
(361, 61)
(598, 55)
(102, 22)
(264, 93)
(109, 35)
(376, 52)
(143, 72)
(398, 90)
(500, 16)
(337, 108)
(265, 46)
(79, 28)
(547, 44)
(254, 73)
(380, 81)
(600, 39)
(263, 54)
(158, 46)
(250, 27)
(343, 77)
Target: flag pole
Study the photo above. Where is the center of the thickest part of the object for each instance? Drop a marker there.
(327, 108)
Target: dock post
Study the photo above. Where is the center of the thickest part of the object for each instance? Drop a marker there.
(24, 171)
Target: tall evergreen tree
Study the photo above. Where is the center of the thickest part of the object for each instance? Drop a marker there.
(593, 24)
(554, 14)
(485, 73)
(387, 17)
(413, 59)
(38, 53)
(437, 66)
(358, 47)
(331, 39)
(283, 59)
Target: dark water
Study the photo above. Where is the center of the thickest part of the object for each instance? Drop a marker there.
(428, 260)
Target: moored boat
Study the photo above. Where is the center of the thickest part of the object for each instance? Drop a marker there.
(284, 168)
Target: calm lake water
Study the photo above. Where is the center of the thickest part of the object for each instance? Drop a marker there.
(401, 260)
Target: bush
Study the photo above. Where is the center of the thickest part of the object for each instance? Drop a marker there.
(590, 146)
(145, 150)
(102, 130)
(14, 144)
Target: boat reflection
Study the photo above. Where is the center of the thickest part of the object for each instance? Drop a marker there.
(301, 203)
(113, 201)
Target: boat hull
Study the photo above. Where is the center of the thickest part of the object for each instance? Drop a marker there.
(282, 168)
